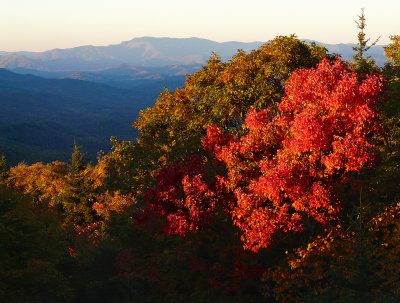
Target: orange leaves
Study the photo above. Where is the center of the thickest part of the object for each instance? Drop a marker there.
(385, 234)
(114, 202)
(289, 165)
(307, 269)
(44, 182)
(97, 174)
(363, 262)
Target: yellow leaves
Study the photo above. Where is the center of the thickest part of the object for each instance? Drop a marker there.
(42, 181)
(113, 202)
(338, 250)
(392, 51)
(97, 174)
(308, 267)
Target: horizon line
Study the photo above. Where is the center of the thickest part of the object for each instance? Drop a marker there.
(176, 38)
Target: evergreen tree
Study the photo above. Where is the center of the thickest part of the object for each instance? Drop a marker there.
(77, 164)
(363, 63)
(4, 168)
(77, 198)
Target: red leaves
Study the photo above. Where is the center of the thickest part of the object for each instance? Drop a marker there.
(182, 197)
(289, 165)
(286, 167)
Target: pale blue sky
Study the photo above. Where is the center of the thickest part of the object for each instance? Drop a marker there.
(45, 24)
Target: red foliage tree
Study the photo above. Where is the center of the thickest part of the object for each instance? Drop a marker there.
(182, 196)
(285, 169)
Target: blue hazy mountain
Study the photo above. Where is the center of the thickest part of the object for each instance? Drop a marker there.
(127, 76)
(345, 50)
(145, 52)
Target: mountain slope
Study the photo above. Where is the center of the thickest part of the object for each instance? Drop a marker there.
(42, 117)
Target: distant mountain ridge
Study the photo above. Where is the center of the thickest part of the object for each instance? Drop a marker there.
(129, 72)
(346, 51)
(145, 52)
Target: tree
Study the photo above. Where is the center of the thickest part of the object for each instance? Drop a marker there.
(392, 51)
(69, 191)
(32, 248)
(284, 170)
(172, 177)
(43, 182)
(249, 148)
(363, 63)
(343, 264)
(382, 187)
(220, 93)
(77, 164)
(4, 169)
(78, 197)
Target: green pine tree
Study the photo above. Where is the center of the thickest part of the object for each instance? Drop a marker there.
(364, 64)
(77, 199)
(77, 163)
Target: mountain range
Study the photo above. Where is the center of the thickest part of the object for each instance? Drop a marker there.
(143, 52)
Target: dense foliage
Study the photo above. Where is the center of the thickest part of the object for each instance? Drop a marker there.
(269, 178)
(286, 168)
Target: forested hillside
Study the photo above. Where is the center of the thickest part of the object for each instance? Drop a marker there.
(41, 118)
(272, 177)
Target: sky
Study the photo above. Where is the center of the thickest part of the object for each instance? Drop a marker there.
(38, 25)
